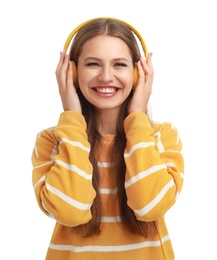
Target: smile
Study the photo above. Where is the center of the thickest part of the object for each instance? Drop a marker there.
(106, 90)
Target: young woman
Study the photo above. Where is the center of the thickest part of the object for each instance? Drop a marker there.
(107, 173)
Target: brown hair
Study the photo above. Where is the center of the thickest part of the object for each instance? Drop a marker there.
(115, 28)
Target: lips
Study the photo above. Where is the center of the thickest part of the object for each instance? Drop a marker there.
(109, 90)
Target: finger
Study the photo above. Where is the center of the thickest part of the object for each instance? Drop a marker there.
(140, 71)
(147, 64)
(149, 61)
(59, 65)
(69, 77)
(65, 63)
(148, 71)
(61, 73)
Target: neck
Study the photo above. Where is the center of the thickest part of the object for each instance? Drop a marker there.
(107, 121)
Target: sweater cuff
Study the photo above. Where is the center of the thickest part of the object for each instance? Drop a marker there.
(71, 118)
(136, 120)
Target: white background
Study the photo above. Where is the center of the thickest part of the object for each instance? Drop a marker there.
(182, 37)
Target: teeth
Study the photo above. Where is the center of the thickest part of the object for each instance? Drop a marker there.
(106, 90)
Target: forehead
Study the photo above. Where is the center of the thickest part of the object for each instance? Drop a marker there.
(104, 44)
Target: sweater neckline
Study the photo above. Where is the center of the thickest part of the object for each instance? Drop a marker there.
(108, 137)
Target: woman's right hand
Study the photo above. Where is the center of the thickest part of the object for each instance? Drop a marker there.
(64, 76)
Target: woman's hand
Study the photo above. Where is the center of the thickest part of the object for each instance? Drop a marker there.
(64, 76)
(143, 90)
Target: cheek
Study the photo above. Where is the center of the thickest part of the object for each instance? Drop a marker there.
(127, 79)
(81, 77)
(85, 77)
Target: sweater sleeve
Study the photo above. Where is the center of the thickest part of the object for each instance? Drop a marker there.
(154, 166)
(62, 172)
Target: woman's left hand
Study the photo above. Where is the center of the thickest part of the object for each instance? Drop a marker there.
(143, 90)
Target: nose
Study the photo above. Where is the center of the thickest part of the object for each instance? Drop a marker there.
(105, 74)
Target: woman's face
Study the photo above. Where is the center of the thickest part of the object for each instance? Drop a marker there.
(105, 71)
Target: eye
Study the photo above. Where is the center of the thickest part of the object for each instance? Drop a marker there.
(120, 65)
(92, 64)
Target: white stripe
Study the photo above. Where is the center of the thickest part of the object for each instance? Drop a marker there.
(36, 151)
(165, 239)
(67, 199)
(35, 148)
(159, 142)
(39, 181)
(105, 164)
(137, 146)
(108, 191)
(170, 165)
(173, 127)
(144, 174)
(110, 219)
(154, 202)
(42, 165)
(178, 139)
(76, 144)
(120, 248)
(50, 214)
(72, 167)
(177, 195)
(54, 152)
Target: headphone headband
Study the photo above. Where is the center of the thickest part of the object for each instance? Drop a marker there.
(133, 29)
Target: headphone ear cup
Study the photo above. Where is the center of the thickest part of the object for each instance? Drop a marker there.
(135, 78)
(75, 74)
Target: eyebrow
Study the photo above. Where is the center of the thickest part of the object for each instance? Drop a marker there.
(116, 59)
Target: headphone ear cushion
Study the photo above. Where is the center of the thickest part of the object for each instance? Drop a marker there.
(75, 74)
(135, 77)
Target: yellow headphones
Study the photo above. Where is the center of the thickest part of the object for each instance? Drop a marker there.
(71, 35)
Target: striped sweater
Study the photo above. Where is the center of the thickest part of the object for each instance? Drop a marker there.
(62, 180)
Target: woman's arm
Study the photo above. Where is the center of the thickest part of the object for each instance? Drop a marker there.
(155, 166)
(62, 172)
